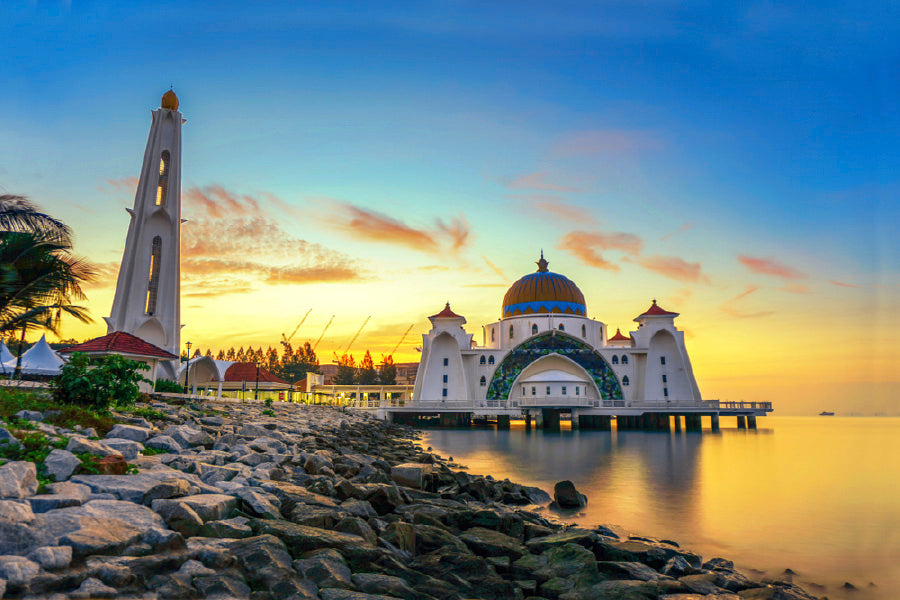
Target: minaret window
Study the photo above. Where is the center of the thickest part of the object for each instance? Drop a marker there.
(534, 329)
(624, 360)
(548, 390)
(491, 359)
(511, 332)
(482, 360)
(483, 381)
(492, 335)
(662, 360)
(615, 359)
(625, 380)
(153, 277)
(583, 331)
(162, 187)
(562, 327)
(446, 361)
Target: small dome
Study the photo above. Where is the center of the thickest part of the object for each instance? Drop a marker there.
(543, 292)
(169, 101)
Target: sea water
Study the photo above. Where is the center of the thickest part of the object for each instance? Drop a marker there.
(817, 495)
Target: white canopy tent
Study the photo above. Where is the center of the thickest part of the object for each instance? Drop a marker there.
(6, 356)
(40, 359)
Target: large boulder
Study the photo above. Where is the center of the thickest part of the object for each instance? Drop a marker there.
(188, 436)
(487, 542)
(30, 415)
(80, 445)
(412, 475)
(566, 496)
(209, 507)
(127, 448)
(301, 538)
(163, 442)
(60, 464)
(129, 432)
(18, 571)
(18, 479)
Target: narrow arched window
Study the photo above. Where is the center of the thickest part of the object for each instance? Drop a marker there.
(562, 327)
(511, 332)
(624, 360)
(492, 335)
(483, 381)
(615, 359)
(534, 329)
(482, 360)
(491, 359)
(625, 380)
(153, 277)
(162, 187)
(583, 331)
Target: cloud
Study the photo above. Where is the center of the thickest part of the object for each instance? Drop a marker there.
(537, 181)
(842, 284)
(123, 184)
(730, 306)
(681, 296)
(750, 289)
(588, 246)
(217, 202)
(796, 288)
(557, 207)
(106, 275)
(768, 266)
(493, 267)
(604, 141)
(672, 267)
(682, 229)
(377, 227)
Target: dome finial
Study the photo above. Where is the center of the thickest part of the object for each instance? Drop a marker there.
(169, 100)
(542, 264)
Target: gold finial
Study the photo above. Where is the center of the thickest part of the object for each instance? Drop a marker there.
(542, 264)
(169, 101)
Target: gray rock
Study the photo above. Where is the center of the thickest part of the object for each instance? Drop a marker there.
(15, 511)
(411, 475)
(209, 507)
(220, 587)
(129, 432)
(703, 583)
(266, 564)
(376, 583)
(18, 570)
(628, 570)
(47, 502)
(487, 542)
(93, 588)
(258, 503)
(212, 474)
(68, 488)
(188, 436)
(566, 496)
(79, 445)
(52, 558)
(327, 568)
(253, 430)
(163, 442)
(7, 438)
(180, 517)
(18, 479)
(61, 464)
(127, 448)
(30, 415)
(360, 508)
(300, 539)
(127, 487)
(168, 488)
(236, 528)
(194, 568)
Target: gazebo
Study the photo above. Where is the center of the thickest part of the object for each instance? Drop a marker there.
(40, 359)
(129, 346)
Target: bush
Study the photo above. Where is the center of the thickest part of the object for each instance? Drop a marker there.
(55, 413)
(99, 382)
(168, 386)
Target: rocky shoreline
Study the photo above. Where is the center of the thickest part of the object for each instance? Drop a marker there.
(292, 502)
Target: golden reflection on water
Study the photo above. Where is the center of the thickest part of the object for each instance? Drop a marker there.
(818, 495)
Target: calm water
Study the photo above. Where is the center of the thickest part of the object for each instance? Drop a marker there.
(818, 495)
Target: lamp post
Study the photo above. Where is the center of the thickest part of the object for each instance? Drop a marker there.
(256, 394)
(187, 370)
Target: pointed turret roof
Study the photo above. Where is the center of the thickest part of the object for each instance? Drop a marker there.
(656, 310)
(619, 337)
(446, 314)
(119, 342)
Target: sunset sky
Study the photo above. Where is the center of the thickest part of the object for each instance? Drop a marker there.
(737, 161)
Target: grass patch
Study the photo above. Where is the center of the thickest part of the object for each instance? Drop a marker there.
(60, 415)
(153, 451)
(146, 413)
(34, 447)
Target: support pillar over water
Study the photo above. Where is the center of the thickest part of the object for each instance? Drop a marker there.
(714, 422)
(527, 421)
(677, 420)
(604, 422)
(575, 423)
(751, 421)
(693, 423)
(551, 419)
(539, 419)
(502, 421)
(742, 422)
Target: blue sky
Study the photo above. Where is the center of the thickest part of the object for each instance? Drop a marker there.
(706, 131)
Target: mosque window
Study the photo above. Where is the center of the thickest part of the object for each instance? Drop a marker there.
(491, 359)
(483, 381)
(563, 390)
(624, 360)
(163, 184)
(562, 327)
(625, 380)
(662, 360)
(482, 360)
(445, 378)
(533, 391)
(615, 359)
(666, 392)
(492, 335)
(548, 390)
(446, 361)
(577, 390)
(444, 392)
(534, 329)
(583, 331)
(665, 379)
(523, 390)
(511, 332)
(153, 277)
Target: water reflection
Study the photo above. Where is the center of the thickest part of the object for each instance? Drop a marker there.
(817, 495)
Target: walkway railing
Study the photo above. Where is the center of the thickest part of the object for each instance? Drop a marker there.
(727, 405)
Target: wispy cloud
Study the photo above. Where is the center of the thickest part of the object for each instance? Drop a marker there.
(730, 307)
(217, 202)
(750, 289)
(842, 284)
(682, 229)
(494, 267)
(378, 227)
(123, 184)
(796, 288)
(556, 206)
(589, 246)
(537, 181)
(672, 267)
(604, 141)
(769, 266)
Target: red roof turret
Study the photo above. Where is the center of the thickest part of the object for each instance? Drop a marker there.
(247, 372)
(619, 337)
(119, 342)
(446, 314)
(657, 311)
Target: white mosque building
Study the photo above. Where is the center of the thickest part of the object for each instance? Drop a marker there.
(545, 352)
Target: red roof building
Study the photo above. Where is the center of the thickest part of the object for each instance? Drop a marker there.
(446, 314)
(247, 372)
(656, 310)
(119, 342)
(619, 337)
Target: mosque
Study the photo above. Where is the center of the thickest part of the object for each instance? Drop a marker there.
(544, 351)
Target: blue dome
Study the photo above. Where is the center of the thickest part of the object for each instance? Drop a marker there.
(544, 292)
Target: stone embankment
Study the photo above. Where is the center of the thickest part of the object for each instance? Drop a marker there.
(309, 502)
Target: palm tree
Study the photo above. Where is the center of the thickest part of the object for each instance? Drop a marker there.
(39, 278)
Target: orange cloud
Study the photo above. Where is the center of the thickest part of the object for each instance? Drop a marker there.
(842, 284)
(767, 266)
(682, 229)
(749, 290)
(604, 141)
(588, 246)
(458, 230)
(673, 268)
(557, 207)
(217, 202)
(123, 184)
(493, 267)
(730, 307)
(796, 288)
(537, 181)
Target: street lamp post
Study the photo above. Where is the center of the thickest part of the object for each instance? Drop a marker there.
(256, 394)
(187, 370)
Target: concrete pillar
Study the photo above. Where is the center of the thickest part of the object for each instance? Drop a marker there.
(677, 421)
(527, 421)
(742, 422)
(539, 419)
(714, 422)
(575, 423)
(551, 419)
(664, 423)
(751, 421)
(502, 421)
(693, 423)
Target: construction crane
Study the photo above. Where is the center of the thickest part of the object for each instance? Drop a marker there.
(405, 333)
(327, 325)
(285, 340)
(358, 331)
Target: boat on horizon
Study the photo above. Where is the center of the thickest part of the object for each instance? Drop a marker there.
(825, 413)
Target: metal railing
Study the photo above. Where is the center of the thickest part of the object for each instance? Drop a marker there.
(728, 405)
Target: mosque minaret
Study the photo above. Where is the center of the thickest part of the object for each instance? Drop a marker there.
(148, 291)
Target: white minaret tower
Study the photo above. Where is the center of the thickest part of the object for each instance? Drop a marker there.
(148, 291)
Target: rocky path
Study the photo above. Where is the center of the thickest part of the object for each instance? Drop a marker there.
(295, 502)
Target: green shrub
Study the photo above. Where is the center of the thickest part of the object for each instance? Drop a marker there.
(98, 382)
(168, 386)
(55, 413)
